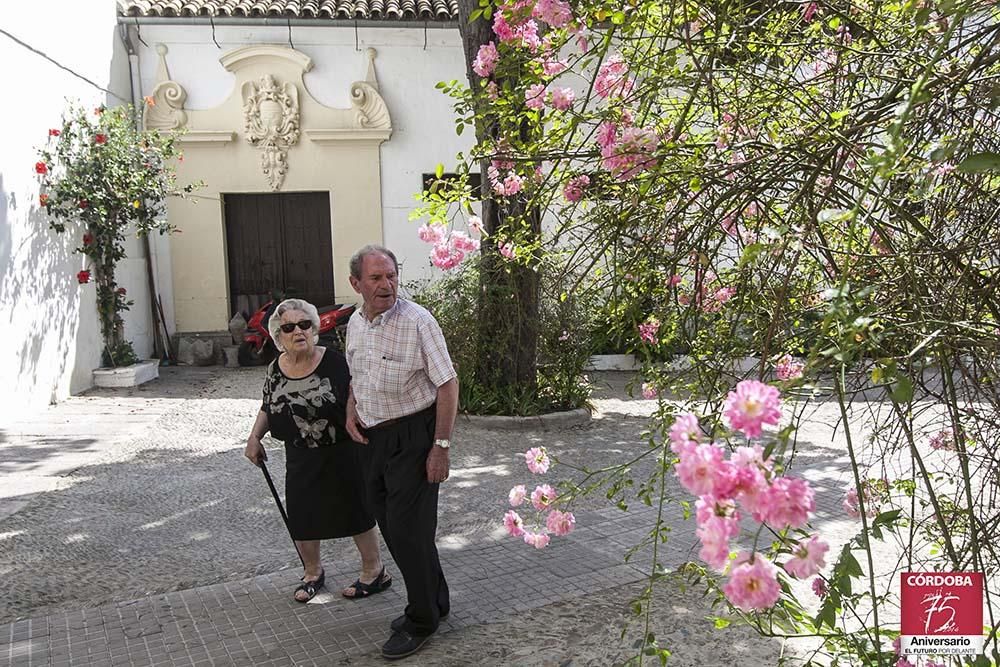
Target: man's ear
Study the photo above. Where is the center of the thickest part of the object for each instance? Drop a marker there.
(355, 283)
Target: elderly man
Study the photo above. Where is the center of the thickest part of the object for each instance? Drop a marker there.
(404, 395)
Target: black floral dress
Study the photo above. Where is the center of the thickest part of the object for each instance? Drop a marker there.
(323, 483)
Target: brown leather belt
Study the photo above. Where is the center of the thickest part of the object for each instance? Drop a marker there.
(396, 420)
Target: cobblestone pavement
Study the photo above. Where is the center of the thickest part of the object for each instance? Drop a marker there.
(132, 531)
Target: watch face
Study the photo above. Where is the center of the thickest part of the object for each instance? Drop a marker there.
(443, 444)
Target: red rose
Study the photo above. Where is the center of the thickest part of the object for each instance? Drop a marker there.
(83, 203)
(43, 199)
(83, 276)
(41, 168)
(121, 290)
(100, 138)
(54, 133)
(87, 239)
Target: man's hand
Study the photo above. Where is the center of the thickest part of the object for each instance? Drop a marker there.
(438, 464)
(354, 424)
(255, 451)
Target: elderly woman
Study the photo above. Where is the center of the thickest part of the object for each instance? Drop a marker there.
(305, 396)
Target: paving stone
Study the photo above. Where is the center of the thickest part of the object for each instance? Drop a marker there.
(162, 546)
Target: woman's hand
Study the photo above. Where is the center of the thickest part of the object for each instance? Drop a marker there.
(255, 451)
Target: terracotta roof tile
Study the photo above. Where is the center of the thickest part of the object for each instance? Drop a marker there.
(392, 10)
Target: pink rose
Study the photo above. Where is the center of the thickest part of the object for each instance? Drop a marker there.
(537, 460)
(685, 432)
(560, 523)
(537, 540)
(752, 405)
(513, 523)
(562, 98)
(753, 585)
(542, 497)
(808, 559)
(507, 250)
(486, 60)
(534, 96)
(574, 189)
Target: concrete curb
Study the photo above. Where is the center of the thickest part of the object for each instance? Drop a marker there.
(547, 422)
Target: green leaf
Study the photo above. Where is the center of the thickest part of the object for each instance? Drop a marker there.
(721, 623)
(827, 614)
(980, 162)
(618, 18)
(902, 392)
(887, 519)
(439, 170)
(851, 566)
(751, 252)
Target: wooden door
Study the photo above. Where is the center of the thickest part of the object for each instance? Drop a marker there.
(278, 241)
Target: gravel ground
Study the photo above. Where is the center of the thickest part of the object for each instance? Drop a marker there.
(173, 505)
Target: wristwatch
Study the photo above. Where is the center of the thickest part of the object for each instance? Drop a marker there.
(443, 444)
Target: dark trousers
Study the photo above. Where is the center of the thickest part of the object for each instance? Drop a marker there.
(405, 507)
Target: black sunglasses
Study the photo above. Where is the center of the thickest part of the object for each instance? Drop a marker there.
(289, 327)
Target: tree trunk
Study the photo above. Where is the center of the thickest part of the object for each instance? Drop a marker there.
(508, 293)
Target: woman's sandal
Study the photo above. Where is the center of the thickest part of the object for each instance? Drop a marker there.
(310, 587)
(363, 590)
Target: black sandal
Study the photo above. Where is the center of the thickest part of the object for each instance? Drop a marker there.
(363, 590)
(310, 587)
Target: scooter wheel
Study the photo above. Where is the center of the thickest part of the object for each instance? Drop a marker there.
(248, 356)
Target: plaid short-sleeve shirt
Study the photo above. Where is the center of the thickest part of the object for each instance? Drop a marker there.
(397, 361)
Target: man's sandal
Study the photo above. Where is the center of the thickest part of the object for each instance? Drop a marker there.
(363, 590)
(310, 587)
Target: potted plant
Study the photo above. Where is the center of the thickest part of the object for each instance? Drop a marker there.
(102, 175)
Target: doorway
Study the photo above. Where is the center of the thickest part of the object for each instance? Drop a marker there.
(278, 242)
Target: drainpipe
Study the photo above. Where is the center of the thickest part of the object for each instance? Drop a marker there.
(135, 85)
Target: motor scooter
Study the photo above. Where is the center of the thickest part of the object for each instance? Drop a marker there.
(257, 347)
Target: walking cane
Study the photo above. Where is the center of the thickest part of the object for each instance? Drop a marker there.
(281, 508)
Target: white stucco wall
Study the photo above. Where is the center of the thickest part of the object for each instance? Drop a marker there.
(49, 334)
(422, 118)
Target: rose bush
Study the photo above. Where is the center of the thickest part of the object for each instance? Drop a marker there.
(809, 184)
(100, 173)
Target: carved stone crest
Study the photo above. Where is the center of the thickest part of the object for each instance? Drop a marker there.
(271, 122)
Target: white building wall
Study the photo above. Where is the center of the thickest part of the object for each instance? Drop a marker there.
(422, 117)
(49, 334)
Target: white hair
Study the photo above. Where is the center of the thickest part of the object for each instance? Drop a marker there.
(274, 324)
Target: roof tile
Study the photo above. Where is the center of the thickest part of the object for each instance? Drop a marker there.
(387, 10)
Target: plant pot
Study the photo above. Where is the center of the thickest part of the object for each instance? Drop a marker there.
(127, 376)
(613, 362)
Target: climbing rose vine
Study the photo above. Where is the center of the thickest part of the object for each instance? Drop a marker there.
(103, 178)
(807, 186)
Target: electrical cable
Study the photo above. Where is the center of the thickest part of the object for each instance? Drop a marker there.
(61, 66)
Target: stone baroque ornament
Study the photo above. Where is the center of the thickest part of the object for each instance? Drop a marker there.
(370, 110)
(166, 112)
(271, 123)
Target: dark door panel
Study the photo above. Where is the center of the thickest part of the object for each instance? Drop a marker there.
(278, 241)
